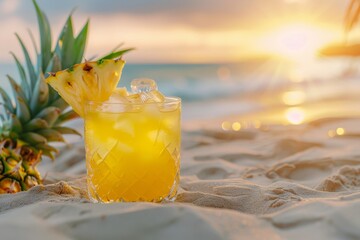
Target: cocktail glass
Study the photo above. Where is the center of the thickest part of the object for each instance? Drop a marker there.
(133, 150)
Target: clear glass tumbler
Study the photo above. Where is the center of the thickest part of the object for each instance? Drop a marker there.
(133, 150)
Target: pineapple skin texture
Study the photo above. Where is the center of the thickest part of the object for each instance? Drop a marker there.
(18, 167)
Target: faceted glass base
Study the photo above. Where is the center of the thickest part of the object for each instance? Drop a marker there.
(117, 195)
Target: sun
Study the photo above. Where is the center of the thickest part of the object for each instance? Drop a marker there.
(296, 41)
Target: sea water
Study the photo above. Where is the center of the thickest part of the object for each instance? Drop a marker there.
(194, 82)
(315, 80)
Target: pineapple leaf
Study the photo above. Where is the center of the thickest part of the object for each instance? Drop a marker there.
(53, 95)
(38, 55)
(15, 124)
(47, 150)
(17, 91)
(51, 135)
(66, 117)
(70, 49)
(7, 101)
(46, 147)
(24, 82)
(116, 54)
(54, 65)
(59, 103)
(40, 97)
(33, 138)
(35, 124)
(65, 43)
(22, 110)
(33, 42)
(66, 130)
(3, 119)
(49, 114)
(29, 64)
(48, 154)
(80, 44)
(45, 36)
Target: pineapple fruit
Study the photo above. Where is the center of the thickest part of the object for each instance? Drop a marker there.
(18, 167)
(93, 81)
(33, 117)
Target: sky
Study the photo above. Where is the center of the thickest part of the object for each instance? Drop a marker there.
(187, 31)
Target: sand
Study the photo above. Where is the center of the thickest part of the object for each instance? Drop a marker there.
(275, 182)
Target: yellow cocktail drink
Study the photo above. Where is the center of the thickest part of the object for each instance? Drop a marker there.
(132, 139)
(133, 150)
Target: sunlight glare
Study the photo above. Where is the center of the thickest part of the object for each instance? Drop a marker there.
(294, 97)
(295, 115)
(297, 41)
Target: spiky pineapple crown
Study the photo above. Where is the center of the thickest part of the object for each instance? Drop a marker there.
(36, 112)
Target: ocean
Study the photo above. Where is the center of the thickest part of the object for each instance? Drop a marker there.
(273, 81)
(194, 82)
(191, 82)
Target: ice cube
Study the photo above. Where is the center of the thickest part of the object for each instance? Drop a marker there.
(157, 96)
(119, 95)
(141, 85)
(134, 102)
(115, 105)
(146, 97)
(153, 96)
(169, 106)
(135, 98)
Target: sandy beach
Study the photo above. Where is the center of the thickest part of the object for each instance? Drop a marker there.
(268, 182)
(270, 133)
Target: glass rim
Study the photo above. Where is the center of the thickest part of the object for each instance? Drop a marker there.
(167, 100)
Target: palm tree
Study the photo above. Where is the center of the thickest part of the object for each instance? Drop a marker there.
(352, 16)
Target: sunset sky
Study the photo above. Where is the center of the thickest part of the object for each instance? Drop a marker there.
(188, 31)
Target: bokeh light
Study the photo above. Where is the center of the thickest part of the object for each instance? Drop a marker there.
(236, 126)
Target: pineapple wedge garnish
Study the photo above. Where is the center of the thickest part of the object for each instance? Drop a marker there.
(89, 81)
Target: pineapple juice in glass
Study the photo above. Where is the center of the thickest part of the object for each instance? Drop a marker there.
(133, 145)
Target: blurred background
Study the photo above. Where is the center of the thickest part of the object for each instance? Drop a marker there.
(254, 62)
